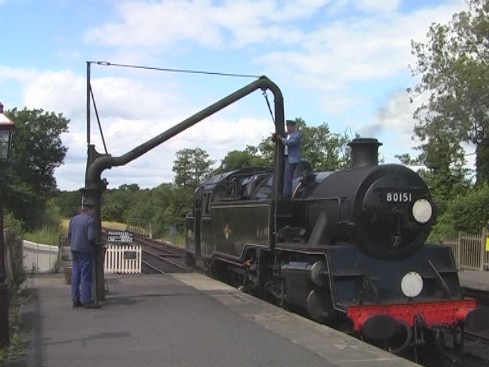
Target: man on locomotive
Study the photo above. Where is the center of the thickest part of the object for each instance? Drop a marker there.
(292, 154)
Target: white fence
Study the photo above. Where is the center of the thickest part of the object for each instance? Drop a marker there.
(122, 259)
(140, 226)
(39, 257)
(471, 252)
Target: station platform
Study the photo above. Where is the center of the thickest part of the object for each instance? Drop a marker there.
(477, 280)
(178, 320)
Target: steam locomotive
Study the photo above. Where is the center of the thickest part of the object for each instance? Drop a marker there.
(347, 249)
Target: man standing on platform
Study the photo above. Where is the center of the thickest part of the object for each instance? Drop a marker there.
(81, 233)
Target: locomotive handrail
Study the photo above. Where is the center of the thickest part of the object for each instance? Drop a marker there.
(446, 289)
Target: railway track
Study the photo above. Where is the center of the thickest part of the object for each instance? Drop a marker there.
(482, 296)
(162, 257)
(475, 352)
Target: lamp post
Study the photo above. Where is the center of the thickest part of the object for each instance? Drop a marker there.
(7, 128)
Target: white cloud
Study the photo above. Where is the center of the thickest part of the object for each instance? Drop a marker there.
(215, 136)
(11, 73)
(44, 89)
(133, 112)
(326, 56)
(377, 5)
(170, 22)
(322, 49)
(351, 50)
(160, 23)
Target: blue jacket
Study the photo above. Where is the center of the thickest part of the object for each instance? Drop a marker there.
(292, 143)
(81, 233)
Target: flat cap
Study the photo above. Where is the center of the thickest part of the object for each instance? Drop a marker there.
(290, 122)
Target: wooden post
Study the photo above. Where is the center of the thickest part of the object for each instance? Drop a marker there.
(483, 248)
(459, 252)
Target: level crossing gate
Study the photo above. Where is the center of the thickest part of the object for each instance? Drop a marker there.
(471, 252)
(121, 255)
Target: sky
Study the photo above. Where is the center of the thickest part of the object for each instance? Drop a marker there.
(340, 62)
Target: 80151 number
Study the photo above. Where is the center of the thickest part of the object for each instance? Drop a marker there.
(398, 197)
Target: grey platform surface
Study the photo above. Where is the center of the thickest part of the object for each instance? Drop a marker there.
(474, 279)
(179, 320)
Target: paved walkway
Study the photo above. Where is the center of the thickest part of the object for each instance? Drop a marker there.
(474, 279)
(179, 320)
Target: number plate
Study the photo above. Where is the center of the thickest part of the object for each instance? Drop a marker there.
(397, 197)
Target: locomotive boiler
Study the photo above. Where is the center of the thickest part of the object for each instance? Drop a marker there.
(348, 249)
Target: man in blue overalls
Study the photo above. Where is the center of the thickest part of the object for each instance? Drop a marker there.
(81, 233)
(292, 154)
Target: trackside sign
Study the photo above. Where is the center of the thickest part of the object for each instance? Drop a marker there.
(119, 237)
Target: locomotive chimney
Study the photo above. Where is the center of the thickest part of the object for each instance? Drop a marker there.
(364, 152)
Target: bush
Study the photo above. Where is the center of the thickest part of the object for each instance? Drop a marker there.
(467, 213)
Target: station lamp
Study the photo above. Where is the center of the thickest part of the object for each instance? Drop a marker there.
(7, 128)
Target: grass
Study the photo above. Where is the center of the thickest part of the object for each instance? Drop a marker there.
(114, 225)
(45, 235)
(50, 236)
(14, 353)
(179, 240)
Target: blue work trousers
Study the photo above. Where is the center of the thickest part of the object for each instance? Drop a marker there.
(81, 277)
(288, 176)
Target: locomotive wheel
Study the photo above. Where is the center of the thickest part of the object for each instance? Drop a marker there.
(458, 340)
(319, 308)
(399, 342)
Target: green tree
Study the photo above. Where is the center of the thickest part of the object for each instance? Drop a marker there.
(117, 202)
(191, 166)
(68, 202)
(443, 165)
(250, 157)
(129, 188)
(454, 71)
(162, 216)
(324, 149)
(37, 151)
(467, 213)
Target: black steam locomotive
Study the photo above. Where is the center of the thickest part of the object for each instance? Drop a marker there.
(348, 249)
